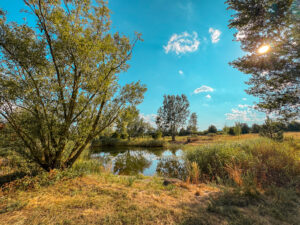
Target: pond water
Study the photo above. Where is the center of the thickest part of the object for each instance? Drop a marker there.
(131, 161)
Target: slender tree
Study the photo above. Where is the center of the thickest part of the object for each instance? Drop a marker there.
(59, 78)
(269, 31)
(193, 123)
(173, 114)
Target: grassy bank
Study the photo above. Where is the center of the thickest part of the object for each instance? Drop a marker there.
(137, 142)
(182, 141)
(109, 199)
(252, 181)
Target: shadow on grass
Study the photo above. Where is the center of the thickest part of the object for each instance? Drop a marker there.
(275, 207)
(11, 177)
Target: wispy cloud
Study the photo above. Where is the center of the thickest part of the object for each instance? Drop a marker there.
(180, 72)
(244, 99)
(183, 43)
(243, 106)
(245, 113)
(203, 88)
(215, 35)
(208, 96)
(186, 8)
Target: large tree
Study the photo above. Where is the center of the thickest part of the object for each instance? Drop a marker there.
(59, 78)
(269, 31)
(173, 114)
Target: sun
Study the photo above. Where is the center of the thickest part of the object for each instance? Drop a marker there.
(263, 49)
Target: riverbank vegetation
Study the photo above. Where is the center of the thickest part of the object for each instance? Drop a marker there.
(247, 182)
(60, 102)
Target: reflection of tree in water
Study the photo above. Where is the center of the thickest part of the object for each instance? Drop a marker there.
(172, 167)
(131, 163)
(156, 152)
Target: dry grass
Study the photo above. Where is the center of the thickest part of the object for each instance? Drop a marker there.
(109, 199)
(203, 140)
(105, 199)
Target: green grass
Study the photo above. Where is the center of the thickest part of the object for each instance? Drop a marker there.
(247, 182)
(261, 162)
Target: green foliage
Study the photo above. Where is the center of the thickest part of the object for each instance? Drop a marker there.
(133, 143)
(237, 129)
(157, 135)
(293, 126)
(275, 76)
(87, 166)
(272, 129)
(231, 131)
(226, 129)
(173, 113)
(43, 179)
(193, 123)
(255, 128)
(212, 129)
(245, 129)
(59, 79)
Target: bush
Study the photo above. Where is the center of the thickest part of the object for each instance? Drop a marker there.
(116, 135)
(236, 130)
(212, 129)
(272, 130)
(157, 135)
(231, 131)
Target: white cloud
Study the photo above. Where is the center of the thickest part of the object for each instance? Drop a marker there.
(149, 118)
(203, 88)
(244, 99)
(215, 35)
(243, 106)
(245, 114)
(208, 96)
(183, 43)
(180, 72)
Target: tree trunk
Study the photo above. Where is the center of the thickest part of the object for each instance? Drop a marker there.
(173, 137)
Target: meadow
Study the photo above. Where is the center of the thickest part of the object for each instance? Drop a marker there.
(230, 180)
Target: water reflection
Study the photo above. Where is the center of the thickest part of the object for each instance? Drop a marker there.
(130, 161)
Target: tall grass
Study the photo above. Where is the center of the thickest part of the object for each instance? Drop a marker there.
(261, 162)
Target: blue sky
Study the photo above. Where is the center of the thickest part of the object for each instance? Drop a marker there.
(186, 50)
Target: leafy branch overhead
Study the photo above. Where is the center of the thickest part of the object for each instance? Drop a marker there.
(62, 73)
(275, 75)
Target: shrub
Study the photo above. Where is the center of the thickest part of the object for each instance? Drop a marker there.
(231, 131)
(157, 135)
(212, 129)
(272, 129)
(116, 135)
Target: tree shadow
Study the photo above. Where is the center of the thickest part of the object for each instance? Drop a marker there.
(11, 177)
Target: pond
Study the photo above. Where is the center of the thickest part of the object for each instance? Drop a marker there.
(131, 161)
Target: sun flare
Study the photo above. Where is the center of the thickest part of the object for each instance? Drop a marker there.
(263, 49)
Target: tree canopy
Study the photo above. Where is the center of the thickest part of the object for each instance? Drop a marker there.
(269, 31)
(173, 114)
(59, 78)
